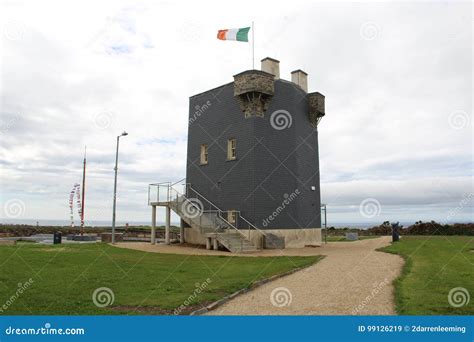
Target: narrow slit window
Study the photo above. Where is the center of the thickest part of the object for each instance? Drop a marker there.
(231, 149)
(204, 154)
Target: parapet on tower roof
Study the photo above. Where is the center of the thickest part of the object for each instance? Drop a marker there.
(254, 90)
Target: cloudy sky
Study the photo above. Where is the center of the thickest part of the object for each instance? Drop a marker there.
(397, 136)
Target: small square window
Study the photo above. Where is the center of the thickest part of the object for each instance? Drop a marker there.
(231, 149)
(231, 216)
(204, 158)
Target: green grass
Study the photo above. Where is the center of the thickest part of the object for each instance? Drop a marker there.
(339, 238)
(434, 265)
(65, 277)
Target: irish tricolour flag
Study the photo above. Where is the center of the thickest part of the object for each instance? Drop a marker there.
(239, 34)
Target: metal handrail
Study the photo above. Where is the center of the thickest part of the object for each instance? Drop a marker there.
(178, 181)
(159, 183)
(197, 192)
(188, 186)
(218, 210)
(230, 224)
(240, 215)
(261, 232)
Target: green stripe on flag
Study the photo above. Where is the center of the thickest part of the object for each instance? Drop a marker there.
(243, 34)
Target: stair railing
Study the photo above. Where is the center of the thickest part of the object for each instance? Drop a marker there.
(250, 226)
(158, 193)
(165, 192)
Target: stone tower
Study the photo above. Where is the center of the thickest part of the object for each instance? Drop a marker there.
(253, 149)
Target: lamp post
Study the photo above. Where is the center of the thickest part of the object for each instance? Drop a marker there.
(115, 186)
(324, 207)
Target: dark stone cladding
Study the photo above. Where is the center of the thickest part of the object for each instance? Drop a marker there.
(272, 166)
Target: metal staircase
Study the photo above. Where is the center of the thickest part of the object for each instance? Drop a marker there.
(201, 214)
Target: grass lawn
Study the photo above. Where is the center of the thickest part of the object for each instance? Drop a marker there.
(341, 238)
(434, 265)
(65, 277)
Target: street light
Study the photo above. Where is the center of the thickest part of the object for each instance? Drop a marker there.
(324, 207)
(115, 186)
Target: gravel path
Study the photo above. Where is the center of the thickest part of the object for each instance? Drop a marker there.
(353, 279)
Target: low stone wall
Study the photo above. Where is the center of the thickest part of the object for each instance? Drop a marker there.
(107, 237)
(293, 238)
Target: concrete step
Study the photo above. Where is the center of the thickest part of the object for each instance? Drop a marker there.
(244, 250)
(236, 242)
(239, 246)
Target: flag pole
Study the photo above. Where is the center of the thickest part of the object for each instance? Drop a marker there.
(83, 191)
(253, 47)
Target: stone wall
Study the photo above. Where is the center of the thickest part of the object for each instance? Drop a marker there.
(254, 90)
(107, 237)
(316, 107)
(254, 81)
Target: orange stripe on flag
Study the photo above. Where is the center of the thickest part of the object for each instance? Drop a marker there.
(221, 34)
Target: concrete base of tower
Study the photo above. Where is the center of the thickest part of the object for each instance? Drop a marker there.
(288, 238)
(272, 238)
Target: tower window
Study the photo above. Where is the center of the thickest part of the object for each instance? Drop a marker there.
(231, 216)
(231, 153)
(204, 154)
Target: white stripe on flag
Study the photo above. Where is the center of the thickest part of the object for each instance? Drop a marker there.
(231, 34)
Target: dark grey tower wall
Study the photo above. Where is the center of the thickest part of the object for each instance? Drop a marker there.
(289, 164)
(223, 182)
(272, 165)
